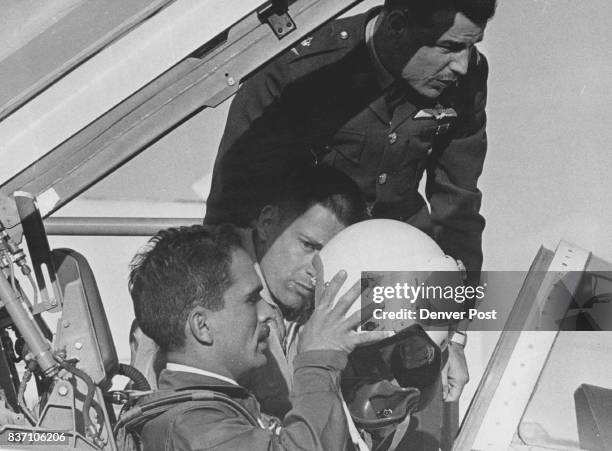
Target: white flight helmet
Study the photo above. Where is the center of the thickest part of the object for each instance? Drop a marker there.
(381, 245)
(382, 384)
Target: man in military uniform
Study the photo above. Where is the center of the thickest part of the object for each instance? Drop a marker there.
(386, 97)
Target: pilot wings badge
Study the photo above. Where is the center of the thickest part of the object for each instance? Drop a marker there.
(439, 113)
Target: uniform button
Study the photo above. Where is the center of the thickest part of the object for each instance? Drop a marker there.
(382, 178)
(392, 138)
(344, 35)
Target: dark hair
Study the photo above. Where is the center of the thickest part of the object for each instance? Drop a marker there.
(324, 186)
(178, 270)
(294, 193)
(478, 11)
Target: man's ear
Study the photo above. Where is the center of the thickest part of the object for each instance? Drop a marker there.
(135, 334)
(198, 325)
(268, 222)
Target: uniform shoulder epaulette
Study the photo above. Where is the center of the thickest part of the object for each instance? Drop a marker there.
(337, 35)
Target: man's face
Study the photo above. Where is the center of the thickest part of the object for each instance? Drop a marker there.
(433, 68)
(239, 330)
(287, 263)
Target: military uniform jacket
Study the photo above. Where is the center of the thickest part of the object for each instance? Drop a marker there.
(316, 420)
(320, 103)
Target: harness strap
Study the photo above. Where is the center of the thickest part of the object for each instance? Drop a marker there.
(134, 418)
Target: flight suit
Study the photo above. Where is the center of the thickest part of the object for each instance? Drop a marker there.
(315, 422)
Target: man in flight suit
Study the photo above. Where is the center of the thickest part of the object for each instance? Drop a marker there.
(196, 293)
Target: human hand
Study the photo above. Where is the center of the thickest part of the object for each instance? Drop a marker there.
(455, 373)
(328, 327)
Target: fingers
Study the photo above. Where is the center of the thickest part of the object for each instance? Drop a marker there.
(366, 338)
(330, 289)
(347, 300)
(445, 393)
(453, 393)
(445, 381)
(362, 315)
(454, 378)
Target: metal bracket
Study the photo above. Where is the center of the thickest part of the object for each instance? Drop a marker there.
(277, 16)
(38, 247)
(9, 216)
